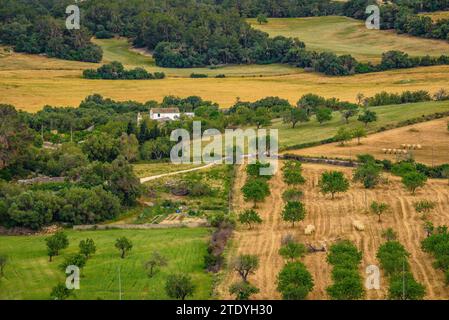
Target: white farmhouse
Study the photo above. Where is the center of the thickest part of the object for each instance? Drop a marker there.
(166, 114)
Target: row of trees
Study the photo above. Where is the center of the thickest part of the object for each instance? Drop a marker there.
(393, 259)
(116, 71)
(294, 281)
(436, 243)
(345, 259)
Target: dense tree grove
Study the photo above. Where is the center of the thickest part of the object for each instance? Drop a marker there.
(283, 8)
(401, 15)
(39, 27)
(198, 33)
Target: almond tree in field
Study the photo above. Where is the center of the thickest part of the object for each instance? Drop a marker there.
(292, 173)
(333, 182)
(294, 211)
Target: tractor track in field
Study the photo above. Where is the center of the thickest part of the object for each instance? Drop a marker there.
(333, 220)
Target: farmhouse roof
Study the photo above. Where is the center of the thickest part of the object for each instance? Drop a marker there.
(165, 110)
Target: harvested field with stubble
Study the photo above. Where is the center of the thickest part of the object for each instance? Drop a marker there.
(333, 220)
(30, 82)
(433, 136)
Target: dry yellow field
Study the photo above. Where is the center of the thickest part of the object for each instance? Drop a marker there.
(333, 220)
(433, 136)
(29, 82)
(438, 15)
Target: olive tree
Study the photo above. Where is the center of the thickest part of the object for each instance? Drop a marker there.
(179, 286)
(245, 265)
(124, 245)
(155, 261)
(249, 217)
(56, 243)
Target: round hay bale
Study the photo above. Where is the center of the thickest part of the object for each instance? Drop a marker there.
(310, 229)
(358, 225)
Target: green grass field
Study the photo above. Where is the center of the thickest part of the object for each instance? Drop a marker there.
(119, 49)
(29, 275)
(344, 35)
(312, 131)
(155, 168)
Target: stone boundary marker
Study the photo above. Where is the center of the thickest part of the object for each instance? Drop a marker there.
(341, 163)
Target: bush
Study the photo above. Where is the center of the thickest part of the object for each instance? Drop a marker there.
(243, 290)
(437, 244)
(116, 71)
(78, 260)
(345, 259)
(198, 75)
(294, 282)
(403, 286)
(292, 195)
(393, 257)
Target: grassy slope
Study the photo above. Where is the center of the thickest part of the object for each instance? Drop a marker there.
(121, 50)
(313, 131)
(29, 275)
(349, 36)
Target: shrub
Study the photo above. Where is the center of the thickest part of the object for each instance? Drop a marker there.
(198, 75)
(294, 282)
(116, 71)
(393, 257)
(292, 195)
(78, 260)
(243, 290)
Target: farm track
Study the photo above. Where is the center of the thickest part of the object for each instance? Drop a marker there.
(333, 220)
